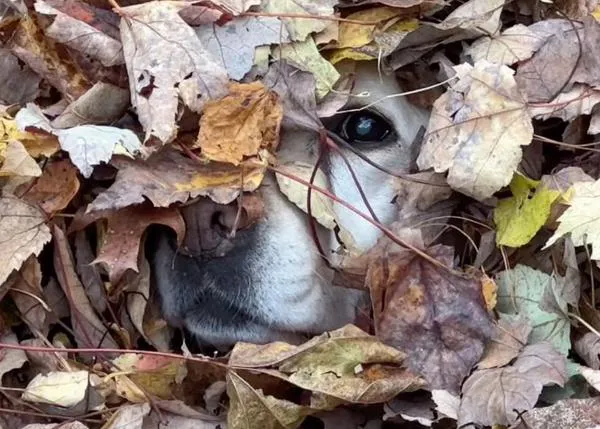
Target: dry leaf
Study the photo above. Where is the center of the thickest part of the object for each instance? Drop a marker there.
(23, 232)
(476, 131)
(509, 339)
(89, 330)
(168, 177)
(173, 421)
(496, 396)
(121, 244)
(26, 292)
(64, 389)
(55, 189)
(579, 100)
(240, 124)
(18, 162)
(570, 413)
(588, 348)
(128, 417)
(19, 84)
(10, 358)
(300, 28)
(436, 317)
(157, 82)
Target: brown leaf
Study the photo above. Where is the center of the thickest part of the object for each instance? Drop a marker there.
(343, 365)
(588, 348)
(168, 177)
(435, 316)
(510, 337)
(27, 295)
(121, 244)
(241, 123)
(55, 189)
(157, 82)
(495, 396)
(10, 358)
(19, 84)
(18, 162)
(89, 273)
(23, 232)
(89, 330)
(31, 47)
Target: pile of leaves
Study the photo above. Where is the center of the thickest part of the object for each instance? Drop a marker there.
(114, 115)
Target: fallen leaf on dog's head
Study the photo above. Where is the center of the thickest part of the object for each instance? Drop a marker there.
(64, 389)
(355, 35)
(168, 177)
(296, 89)
(233, 44)
(476, 131)
(521, 216)
(240, 124)
(300, 28)
(498, 396)
(346, 365)
(581, 220)
(306, 56)
(517, 43)
(87, 326)
(87, 145)
(24, 233)
(522, 291)
(157, 82)
(18, 162)
(79, 35)
(251, 408)
(579, 100)
(436, 317)
(121, 244)
(55, 189)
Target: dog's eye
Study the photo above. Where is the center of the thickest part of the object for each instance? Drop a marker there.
(365, 126)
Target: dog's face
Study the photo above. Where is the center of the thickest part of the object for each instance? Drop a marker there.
(269, 282)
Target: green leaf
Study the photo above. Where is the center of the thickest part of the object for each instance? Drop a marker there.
(535, 295)
(521, 216)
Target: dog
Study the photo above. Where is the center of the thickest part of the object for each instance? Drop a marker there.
(271, 283)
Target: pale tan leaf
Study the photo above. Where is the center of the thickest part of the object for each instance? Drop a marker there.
(10, 358)
(516, 43)
(64, 389)
(18, 162)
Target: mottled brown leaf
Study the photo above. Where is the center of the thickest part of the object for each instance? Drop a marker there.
(121, 244)
(55, 189)
(241, 123)
(510, 336)
(436, 317)
(168, 177)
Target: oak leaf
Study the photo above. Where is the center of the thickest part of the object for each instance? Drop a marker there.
(240, 124)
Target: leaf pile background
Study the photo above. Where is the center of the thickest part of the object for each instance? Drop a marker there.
(484, 290)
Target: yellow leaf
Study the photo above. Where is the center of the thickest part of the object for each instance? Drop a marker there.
(36, 144)
(240, 124)
(17, 162)
(521, 216)
(356, 35)
(348, 54)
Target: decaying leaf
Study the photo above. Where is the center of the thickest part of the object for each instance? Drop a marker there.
(64, 389)
(89, 329)
(168, 177)
(23, 233)
(240, 124)
(250, 408)
(157, 81)
(55, 189)
(581, 219)
(233, 44)
(476, 131)
(300, 28)
(10, 358)
(436, 317)
(128, 417)
(19, 84)
(121, 243)
(80, 36)
(497, 396)
(26, 292)
(87, 145)
(509, 339)
(343, 365)
(579, 100)
(588, 348)
(522, 291)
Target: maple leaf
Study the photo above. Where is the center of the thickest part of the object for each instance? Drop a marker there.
(476, 131)
(436, 317)
(157, 82)
(23, 231)
(240, 124)
(121, 243)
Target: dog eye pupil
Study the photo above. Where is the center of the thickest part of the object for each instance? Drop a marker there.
(365, 127)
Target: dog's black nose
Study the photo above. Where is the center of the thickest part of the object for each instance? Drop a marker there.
(211, 227)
